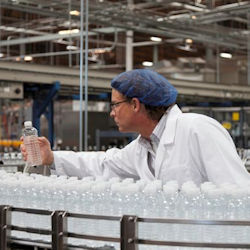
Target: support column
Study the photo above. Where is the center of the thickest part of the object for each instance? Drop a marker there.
(248, 49)
(59, 225)
(129, 42)
(155, 54)
(129, 233)
(5, 218)
(217, 64)
(129, 50)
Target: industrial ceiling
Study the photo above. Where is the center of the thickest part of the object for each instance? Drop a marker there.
(181, 39)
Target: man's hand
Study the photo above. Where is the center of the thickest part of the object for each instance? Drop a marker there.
(46, 152)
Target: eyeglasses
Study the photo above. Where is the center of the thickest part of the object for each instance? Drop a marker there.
(113, 105)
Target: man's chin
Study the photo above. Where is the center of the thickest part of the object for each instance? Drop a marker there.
(121, 129)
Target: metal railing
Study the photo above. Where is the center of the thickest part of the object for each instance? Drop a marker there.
(128, 239)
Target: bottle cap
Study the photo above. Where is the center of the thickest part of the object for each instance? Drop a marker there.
(28, 124)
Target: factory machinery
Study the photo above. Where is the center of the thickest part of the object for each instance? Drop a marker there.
(59, 212)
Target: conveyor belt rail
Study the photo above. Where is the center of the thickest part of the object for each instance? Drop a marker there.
(128, 230)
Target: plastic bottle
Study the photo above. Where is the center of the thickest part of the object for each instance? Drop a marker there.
(190, 208)
(31, 144)
(151, 195)
(6, 159)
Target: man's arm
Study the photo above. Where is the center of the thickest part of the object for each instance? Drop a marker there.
(112, 163)
(79, 164)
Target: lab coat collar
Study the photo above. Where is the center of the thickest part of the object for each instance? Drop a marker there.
(167, 138)
(169, 132)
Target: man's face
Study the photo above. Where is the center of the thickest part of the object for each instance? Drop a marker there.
(121, 112)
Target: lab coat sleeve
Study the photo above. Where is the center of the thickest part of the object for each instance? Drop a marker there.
(122, 162)
(78, 164)
(214, 152)
(113, 162)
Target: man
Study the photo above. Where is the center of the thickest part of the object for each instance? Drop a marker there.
(170, 146)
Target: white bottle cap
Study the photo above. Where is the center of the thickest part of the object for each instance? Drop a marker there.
(128, 180)
(28, 124)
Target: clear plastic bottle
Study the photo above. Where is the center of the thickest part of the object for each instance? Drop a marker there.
(31, 144)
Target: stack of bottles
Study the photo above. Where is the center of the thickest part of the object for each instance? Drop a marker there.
(117, 197)
(12, 159)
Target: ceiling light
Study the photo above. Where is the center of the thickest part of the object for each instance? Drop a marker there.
(63, 32)
(1, 55)
(74, 13)
(189, 40)
(71, 47)
(147, 64)
(160, 19)
(28, 58)
(99, 51)
(155, 39)
(193, 17)
(226, 55)
(176, 4)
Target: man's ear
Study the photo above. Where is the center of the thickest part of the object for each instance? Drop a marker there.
(136, 104)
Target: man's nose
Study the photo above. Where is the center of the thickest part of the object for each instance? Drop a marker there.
(112, 113)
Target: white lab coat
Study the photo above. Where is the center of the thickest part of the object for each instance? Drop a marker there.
(193, 147)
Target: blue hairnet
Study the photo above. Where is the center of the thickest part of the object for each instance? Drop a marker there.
(148, 86)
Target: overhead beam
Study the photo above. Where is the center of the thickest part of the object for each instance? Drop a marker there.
(69, 77)
(43, 38)
(42, 74)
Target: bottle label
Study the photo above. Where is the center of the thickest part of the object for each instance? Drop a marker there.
(33, 151)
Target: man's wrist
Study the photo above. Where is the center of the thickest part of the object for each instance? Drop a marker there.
(52, 166)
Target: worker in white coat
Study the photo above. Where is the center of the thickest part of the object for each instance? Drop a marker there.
(171, 145)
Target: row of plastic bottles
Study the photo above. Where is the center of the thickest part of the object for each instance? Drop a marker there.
(12, 159)
(90, 148)
(118, 197)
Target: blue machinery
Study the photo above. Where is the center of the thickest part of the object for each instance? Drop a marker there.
(45, 106)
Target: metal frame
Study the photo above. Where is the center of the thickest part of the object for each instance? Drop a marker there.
(129, 232)
(59, 224)
(115, 14)
(128, 235)
(4, 226)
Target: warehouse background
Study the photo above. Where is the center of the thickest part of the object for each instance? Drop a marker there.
(49, 47)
